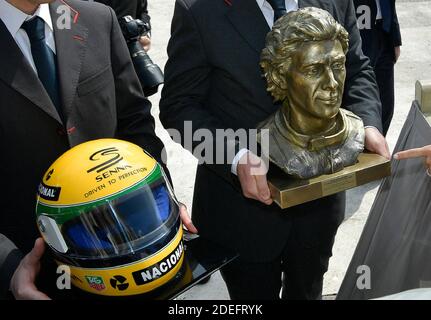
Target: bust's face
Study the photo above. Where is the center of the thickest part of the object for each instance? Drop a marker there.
(316, 78)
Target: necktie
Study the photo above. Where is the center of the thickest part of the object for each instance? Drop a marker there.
(385, 7)
(279, 7)
(44, 59)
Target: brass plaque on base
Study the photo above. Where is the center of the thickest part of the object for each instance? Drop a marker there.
(288, 192)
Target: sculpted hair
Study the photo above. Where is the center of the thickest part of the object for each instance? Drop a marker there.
(288, 34)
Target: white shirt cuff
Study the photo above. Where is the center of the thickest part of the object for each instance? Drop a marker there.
(236, 160)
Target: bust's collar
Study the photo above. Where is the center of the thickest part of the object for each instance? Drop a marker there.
(316, 142)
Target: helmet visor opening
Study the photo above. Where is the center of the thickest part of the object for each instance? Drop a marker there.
(123, 225)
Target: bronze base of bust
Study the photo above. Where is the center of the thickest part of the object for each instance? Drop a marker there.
(288, 191)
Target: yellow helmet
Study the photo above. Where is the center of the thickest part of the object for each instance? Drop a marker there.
(107, 211)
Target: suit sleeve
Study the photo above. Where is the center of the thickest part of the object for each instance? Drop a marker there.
(361, 95)
(122, 8)
(396, 33)
(187, 84)
(135, 122)
(10, 258)
(142, 11)
(144, 6)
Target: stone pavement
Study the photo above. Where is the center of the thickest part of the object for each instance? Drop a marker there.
(414, 63)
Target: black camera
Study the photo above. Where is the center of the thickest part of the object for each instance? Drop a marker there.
(148, 73)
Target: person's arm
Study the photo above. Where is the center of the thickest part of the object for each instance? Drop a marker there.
(10, 258)
(396, 34)
(144, 6)
(361, 95)
(142, 13)
(122, 8)
(187, 84)
(142, 10)
(135, 8)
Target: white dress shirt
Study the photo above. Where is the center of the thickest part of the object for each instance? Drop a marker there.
(268, 13)
(13, 18)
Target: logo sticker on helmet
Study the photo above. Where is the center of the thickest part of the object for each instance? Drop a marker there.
(96, 282)
(49, 174)
(49, 192)
(107, 164)
(119, 283)
(159, 269)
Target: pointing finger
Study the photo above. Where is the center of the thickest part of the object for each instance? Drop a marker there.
(412, 153)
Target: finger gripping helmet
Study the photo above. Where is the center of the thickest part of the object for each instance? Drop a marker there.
(107, 211)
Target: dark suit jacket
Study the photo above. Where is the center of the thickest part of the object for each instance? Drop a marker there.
(10, 258)
(395, 33)
(213, 79)
(135, 8)
(101, 97)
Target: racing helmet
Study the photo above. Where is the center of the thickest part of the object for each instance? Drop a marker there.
(107, 211)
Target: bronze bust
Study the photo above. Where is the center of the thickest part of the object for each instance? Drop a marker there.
(304, 65)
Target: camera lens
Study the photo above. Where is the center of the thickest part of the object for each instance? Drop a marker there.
(149, 74)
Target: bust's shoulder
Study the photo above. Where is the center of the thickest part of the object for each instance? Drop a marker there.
(356, 133)
(350, 115)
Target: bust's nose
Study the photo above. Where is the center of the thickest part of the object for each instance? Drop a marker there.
(329, 82)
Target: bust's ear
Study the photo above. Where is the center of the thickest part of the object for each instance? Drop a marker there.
(277, 84)
(278, 79)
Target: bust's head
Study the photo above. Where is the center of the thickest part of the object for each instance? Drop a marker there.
(304, 63)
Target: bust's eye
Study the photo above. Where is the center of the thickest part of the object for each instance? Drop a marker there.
(313, 71)
(338, 66)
